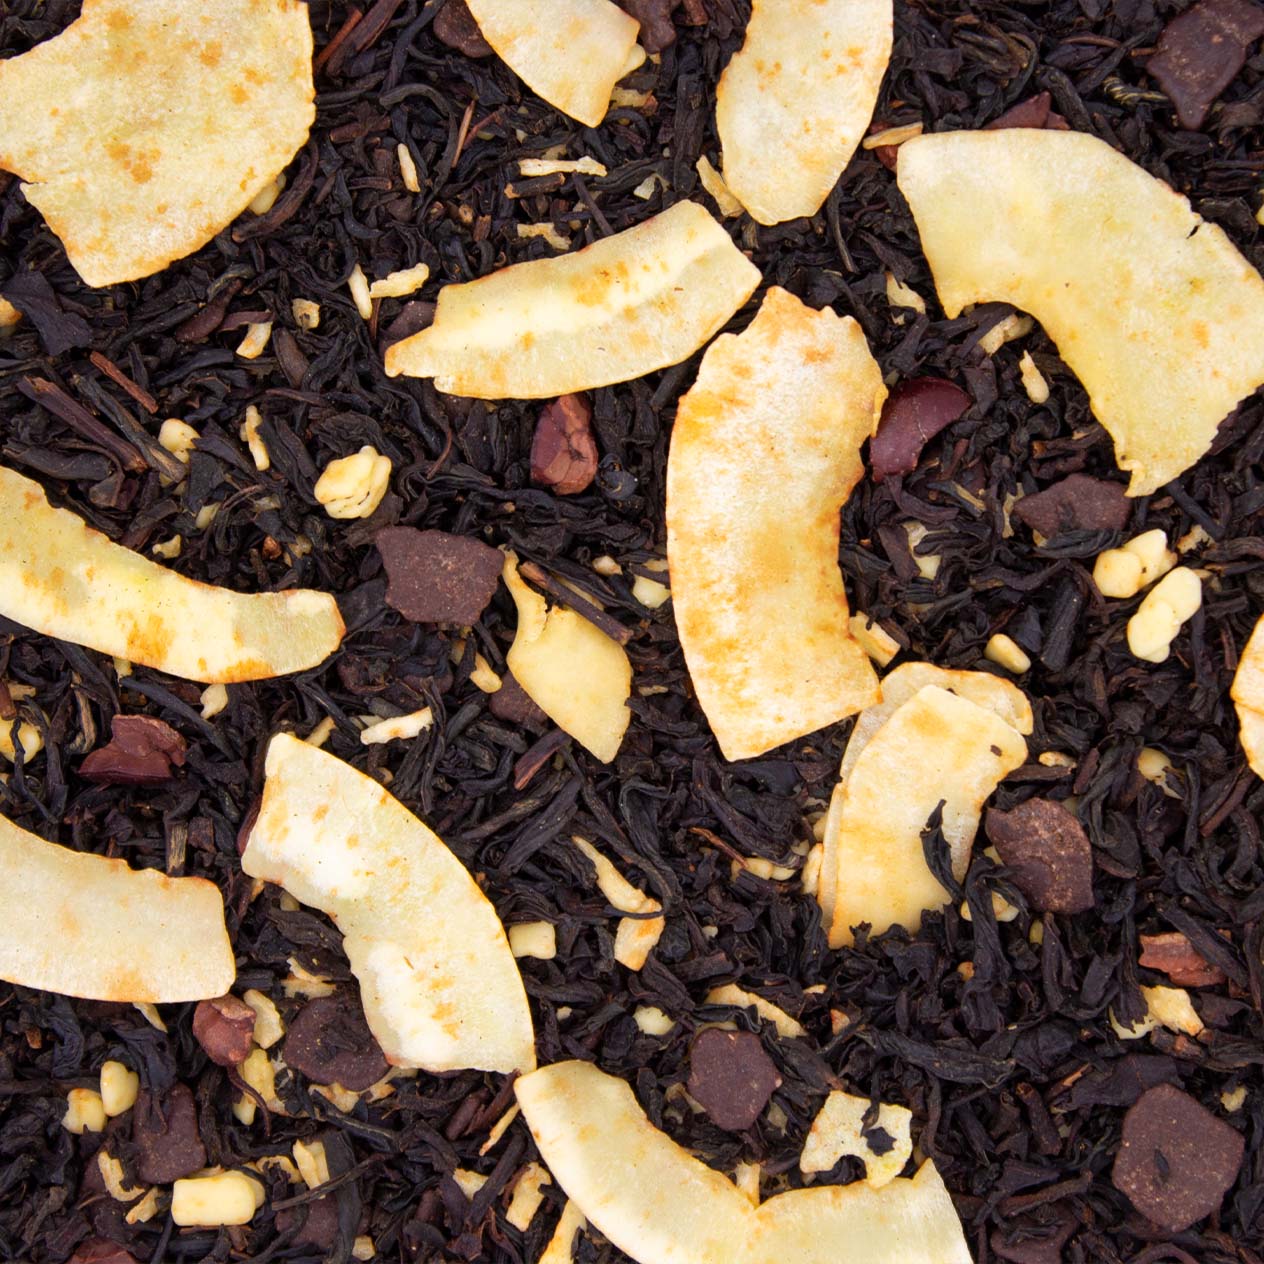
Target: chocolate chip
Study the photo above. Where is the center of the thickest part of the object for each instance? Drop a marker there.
(731, 1077)
(1047, 852)
(915, 412)
(564, 452)
(330, 1043)
(225, 1028)
(435, 577)
(99, 1251)
(657, 31)
(1176, 957)
(1078, 503)
(455, 26)
(319, 1227)
(1035, 112)
(512, 704)
(1200, 53)
(166, 1136)
(1176, 1159)
(141, 752)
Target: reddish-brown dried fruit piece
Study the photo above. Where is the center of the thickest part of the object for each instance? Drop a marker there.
(1078, 503)
(657, 31)
(1176, 1159)
(166, 1136)
(1176, 957)
(434, 577)
(1047, 852)
(731, 1077)
(330, 1043)
(454, 25)
(1200, 53)
(141, 752)
(915, 412)
(225, 1028)
(99, 1251)
(1035, 112)
(564, 452)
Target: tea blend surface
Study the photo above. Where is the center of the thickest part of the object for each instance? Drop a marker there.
(1067, 1121)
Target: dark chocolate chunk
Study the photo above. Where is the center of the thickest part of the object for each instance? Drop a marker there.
(454, 24)
(914, 413)
(225, 1028)
(1176, 1159)
(1176, 957)
(1047, 852)
(657, 31)
(435, 577)
(141, 752)
(166, 1135)
(1078, 503)
(330, 1043)
(59, 330)
(731, 1077)
(512, 704)
(564, 452)
(1035, 112)
(1200, 53)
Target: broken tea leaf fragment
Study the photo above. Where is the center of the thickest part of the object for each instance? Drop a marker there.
(764, 453)
(60, 577)
(439, 985)
(1153, 308)
(639, 300)
(142, 130)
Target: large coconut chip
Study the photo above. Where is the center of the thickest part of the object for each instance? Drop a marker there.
(795, 100)
(1248, 698)
(439, 984)
(641, 300)
(660, 1205)
(60, 577)
(765, 450)
(570, 52)
(88, 926)
(143, 129)
(1153, 308)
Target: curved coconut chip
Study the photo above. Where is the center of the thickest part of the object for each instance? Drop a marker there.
(570, 52)
(440, 987)
(641, 300)
(144, 129)
(1153, 308)
(660, 1205)
(765, 450)
(60, 577)
(1248, 697)
(794, 102)
(89, 926)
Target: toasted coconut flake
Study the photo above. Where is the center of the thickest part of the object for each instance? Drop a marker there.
(439, 985)
(1154, 309)
(570, 52)
(838, 1129)
(731, 994)
(638, 301)
(935, 747)
(143, 129)
(794, 102)
(1248, 697)
(765, 450)
(84, 925)
(60, 577)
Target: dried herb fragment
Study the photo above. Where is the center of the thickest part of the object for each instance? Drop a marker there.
(914, 413)
(330, 1043)
(564, 452)
(225, 1028)
(1078, 502)
(142, 751)
(436, 577)
(165, 1132)
(731, 1077)
(1047, 852)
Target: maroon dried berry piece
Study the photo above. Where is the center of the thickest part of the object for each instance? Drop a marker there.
(435, 577)
(731, 1077)
(1047, 852)
(1035, 112)
(454, 26)
(915, 412)
(142, 751)
(1176, 957)
(225, 1028)
(166, 1136)
(1078, 503)
(330, 1043)
(564, 452)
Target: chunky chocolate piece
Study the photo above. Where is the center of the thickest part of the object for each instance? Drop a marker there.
(166, 1135)
(731, 1077)
(657, 31)
(564, 452)
(142, 751)
(1047, 852)
(914, 413)
(1176, 1159)
(1078, 503)
(225, 1028)
(1200, 53)
(454, 24)
(434, 577)
(330, 1043)
(1176, 957)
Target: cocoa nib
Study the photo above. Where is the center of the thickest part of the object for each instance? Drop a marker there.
(434, 577)
(225, 1028)
(564, 452)
(915, 412)
(731, 1077)
(1176, 957)
(454, 24)
(1078, 503)
(1035, 112)
(330, 1043)
(657, 31)
(166, 1135)
(1047, 852)
(141, 752)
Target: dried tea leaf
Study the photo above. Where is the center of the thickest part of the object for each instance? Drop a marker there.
(573, 671)
(1248, 697)
(84, 925)
(839, 1129)
(1154, 309)
(794, 102)
(765, 450)
(439, 985)
(60, 577)
(936, 747)
(143, 129)
(637, 301)
(570, 52)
